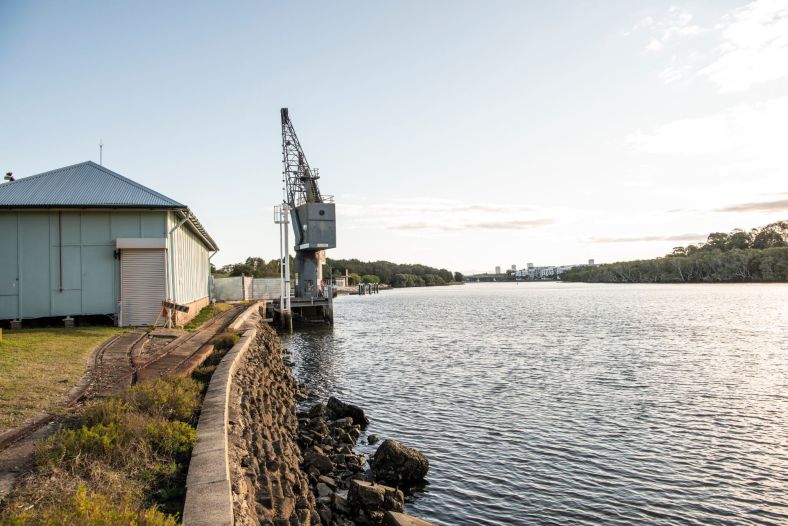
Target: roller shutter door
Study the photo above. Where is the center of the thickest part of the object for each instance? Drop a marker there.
(143, 286)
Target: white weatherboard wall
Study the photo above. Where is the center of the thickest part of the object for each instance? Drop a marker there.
(189, 265)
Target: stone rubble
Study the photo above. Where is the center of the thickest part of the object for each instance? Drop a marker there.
(299, 468)
(268, 486)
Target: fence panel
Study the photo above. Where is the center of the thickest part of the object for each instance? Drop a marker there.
(242, 288)
(228, 289)
(265, 289)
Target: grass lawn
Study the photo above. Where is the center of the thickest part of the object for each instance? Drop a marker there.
(207, 312)
(38, 366)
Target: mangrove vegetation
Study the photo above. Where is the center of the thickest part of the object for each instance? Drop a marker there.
(739, 256)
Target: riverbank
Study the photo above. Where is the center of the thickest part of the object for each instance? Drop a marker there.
(296, 467)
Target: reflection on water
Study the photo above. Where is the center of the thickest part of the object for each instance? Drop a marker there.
(557, 403)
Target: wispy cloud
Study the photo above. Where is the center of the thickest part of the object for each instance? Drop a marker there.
(754, 47)
(489, 225)
(675, 24)
(763, 206)
(745, 47)
(682, 210)
(641, 239)
(427, 214)
(755, 131)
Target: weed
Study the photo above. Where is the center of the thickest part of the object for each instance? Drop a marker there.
(225, 340)
(171, 398)
(87, 508)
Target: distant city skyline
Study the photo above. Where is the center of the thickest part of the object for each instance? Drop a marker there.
(453, 134)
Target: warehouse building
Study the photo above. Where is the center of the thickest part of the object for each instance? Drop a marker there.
(83, 240)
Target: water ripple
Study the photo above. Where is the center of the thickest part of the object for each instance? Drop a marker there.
(580, 404)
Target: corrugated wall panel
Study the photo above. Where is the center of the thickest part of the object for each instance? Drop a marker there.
(90, 276)
(9, 267)
(34, 265)
(189, 266)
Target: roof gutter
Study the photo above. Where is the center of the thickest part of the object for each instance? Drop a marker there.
(198, 229)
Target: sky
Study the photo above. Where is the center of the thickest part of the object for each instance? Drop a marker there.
(462, 135)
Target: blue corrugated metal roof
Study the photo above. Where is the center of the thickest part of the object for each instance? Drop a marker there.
(83, 185)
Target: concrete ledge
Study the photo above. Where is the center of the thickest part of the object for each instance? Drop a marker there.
(392, 518)
(209, 500)
(242, 318)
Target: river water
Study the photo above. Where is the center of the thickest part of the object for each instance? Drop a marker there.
(559, 403)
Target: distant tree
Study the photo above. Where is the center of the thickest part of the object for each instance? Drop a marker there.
(771, 236)
(458, 277)
(370, 278)
(717, 240)
(354, 279)
(388, 271)
(738, 239)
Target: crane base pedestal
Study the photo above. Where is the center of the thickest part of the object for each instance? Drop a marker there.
(304, 311)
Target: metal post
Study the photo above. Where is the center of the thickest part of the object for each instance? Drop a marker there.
(282, 217)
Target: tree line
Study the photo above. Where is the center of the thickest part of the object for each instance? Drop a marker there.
(394, 274)
(758, 255)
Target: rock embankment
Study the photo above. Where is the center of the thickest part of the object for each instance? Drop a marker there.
(268, 486)
(294, 469)
(347, 491)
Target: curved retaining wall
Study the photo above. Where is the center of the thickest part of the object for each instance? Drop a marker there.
(209, 499)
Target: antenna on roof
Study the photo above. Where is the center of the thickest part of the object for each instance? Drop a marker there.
(101, 153)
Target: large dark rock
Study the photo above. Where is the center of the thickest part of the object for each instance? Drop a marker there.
(396, 464)
(369, 501)
(319, 461)
(337, 409)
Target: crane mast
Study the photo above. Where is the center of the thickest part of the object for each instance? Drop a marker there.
(313, 214)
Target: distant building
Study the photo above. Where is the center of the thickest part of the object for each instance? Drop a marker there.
(514, 268)
(590, 261)
(530, 266)
(498, 269)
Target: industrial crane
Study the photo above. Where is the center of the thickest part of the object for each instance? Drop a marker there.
(314, 225)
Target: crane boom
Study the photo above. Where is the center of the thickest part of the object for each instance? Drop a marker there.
(300, 181)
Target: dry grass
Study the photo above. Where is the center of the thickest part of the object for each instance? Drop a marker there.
(121, 460)
(207, 312)
(39, 366)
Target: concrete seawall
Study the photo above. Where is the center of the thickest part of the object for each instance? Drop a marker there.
(208, 494)
(245, 467)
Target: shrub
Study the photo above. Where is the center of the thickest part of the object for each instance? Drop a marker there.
(112, 460)
(86, 508)
(69, 445)
(108, 411)
(170, 438)
(225, 341)
(170, 398)
(203, 373)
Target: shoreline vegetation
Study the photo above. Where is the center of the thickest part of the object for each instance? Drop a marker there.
(396, 275)
(760, 255)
